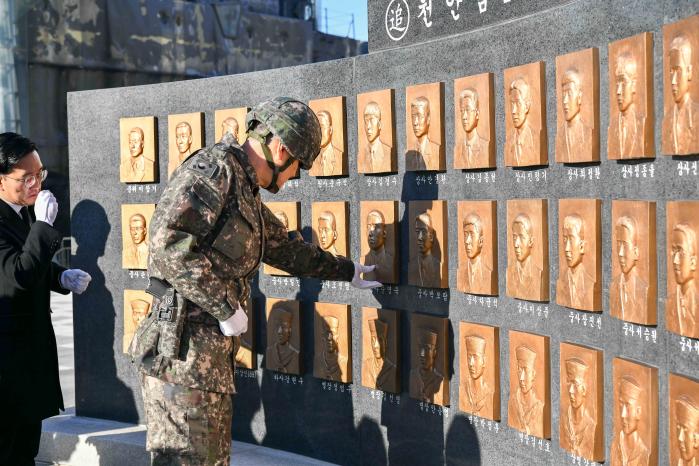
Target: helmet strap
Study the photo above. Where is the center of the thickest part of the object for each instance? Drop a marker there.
(276, 170)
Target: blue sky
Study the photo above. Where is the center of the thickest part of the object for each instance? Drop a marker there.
(340, 17)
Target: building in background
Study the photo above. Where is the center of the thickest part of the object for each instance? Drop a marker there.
(51, 47)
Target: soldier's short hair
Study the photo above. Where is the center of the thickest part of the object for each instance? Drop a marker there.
(689, 235)
(469, 93)
(372, 108)
(421, 102)
(626, 64)
(378, 214)
(681, 45)
(520, 85)
(473, 219)
(135, 217)
(523, 219)
(138, 131)
(630, 224)
(576, 223)
(572, 76)
(325, 114)
(329, 216)
(184, 124)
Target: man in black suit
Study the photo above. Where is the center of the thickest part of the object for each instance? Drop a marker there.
(29, 386)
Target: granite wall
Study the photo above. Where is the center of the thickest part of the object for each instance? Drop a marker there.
(349, 424)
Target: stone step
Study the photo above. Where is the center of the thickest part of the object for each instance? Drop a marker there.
(69, 440)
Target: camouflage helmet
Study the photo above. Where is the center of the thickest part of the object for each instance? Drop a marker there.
(294, 123)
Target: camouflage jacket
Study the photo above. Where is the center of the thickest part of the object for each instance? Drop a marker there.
(209, 233)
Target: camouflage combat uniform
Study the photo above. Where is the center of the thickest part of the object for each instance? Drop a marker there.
(209, 233)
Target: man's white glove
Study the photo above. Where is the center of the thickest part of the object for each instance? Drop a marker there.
(358, 281)
(46, 207)
(75, 280)
(235, 325)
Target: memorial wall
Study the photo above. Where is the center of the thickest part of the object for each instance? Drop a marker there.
(525, 175)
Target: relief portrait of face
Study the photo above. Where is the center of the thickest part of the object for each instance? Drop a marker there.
(326, 128)
(680, 67)
(424, 233)
(625, 81)
(376, 230)
(573, 240)
(327, 230)
(520, 102)
(183, 137)
(572, 94)
(331, 334)
(372, 121)
(283, 331)
(420, 116)
(137, 228)
(522, 237)
(230, 126)
(629, 405)
(468, 104)
(475, 353)
(136, 142)
(627, 249)
(684, 260)
(473, 236)
(427, 354)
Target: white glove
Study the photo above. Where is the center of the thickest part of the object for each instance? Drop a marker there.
(235, 325)
(358, 281)
(46, 207)
(75, 280)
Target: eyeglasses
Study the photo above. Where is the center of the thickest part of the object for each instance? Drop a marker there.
(31, 180)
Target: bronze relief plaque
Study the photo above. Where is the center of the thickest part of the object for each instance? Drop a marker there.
(633, 290)
(681, 306)
(231, 121)
(283, 350)
(631, 121)
(185, 135)
(376, 132)
(381, 349)
(681, 87)
(379, 240)
(525, 116)
(429, 259)
(138, 149)
(424, 127)
(479, 370)
(333, 145)
(577, 92)
(635, 414)
(581, 428)
(474, 120)
(330, 232)
(429, 354)
(137, 304)
(288, 213)
(245, 356)
(333, 342)
(478, 248)
(684, 420)
(529, 406)
(135, 222)
(579, 254)
(528, 249)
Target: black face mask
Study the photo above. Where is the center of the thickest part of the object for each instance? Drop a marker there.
(272, 187)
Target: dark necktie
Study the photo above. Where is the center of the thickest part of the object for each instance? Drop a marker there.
(24, 212)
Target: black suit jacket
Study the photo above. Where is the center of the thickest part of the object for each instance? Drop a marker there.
(29, 384)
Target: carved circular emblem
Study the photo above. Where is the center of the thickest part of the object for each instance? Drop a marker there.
(397, 19)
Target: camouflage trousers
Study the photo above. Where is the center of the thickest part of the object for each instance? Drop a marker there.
(186, 427)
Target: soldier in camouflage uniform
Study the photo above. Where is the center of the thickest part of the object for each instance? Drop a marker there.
(209, 233)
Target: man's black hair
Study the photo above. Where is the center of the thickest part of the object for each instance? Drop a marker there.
(13, 147)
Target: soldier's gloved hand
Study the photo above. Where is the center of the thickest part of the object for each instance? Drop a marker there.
(235, 325)
(358, 281)
(75, 280)
(46, 207)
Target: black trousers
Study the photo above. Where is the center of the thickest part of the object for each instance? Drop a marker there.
(19, 442)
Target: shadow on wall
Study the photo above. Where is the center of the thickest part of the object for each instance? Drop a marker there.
(100, 393)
